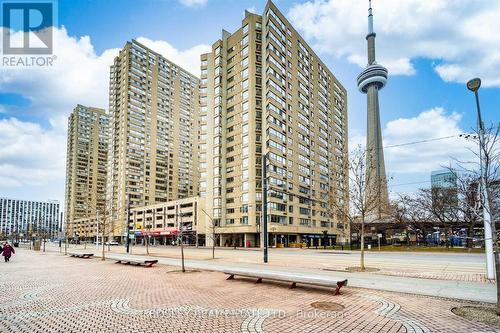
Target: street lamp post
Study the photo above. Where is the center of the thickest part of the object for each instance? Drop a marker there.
(127, 239)
(473, 85)
(264, 207)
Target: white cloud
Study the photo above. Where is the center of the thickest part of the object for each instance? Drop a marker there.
(188, 59)
(411, 165)
(252, 9)
(30, 155)
(461, 36)
(78, 75)
(429, 156)
(193, 3)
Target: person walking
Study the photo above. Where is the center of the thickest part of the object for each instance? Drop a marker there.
(7, 251)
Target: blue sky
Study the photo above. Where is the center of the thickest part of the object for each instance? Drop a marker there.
(429, 49)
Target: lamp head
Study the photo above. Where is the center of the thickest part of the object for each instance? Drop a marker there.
(474, 84)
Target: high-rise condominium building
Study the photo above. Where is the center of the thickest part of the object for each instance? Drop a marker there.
(265, 91)
(86, 158)
(154, 115)
(24, 218)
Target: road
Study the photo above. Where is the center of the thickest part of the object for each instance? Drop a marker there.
(440, 263)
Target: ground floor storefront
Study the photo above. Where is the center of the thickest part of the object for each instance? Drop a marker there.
(276, 240)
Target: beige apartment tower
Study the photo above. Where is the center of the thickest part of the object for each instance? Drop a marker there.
(86, 159)
(265, 91)
(154, 115)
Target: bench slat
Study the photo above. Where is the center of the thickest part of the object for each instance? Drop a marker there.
(146, 263)
(323, 282)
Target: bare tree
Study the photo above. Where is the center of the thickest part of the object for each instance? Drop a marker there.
(363, 203)
(489, 176)
(438, 207)
(410, 214)
(213, 234)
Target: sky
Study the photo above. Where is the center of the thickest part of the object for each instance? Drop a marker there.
(431, 48)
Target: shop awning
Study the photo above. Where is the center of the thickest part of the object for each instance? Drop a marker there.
(170, 231)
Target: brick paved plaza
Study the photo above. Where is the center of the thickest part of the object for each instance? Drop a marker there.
(47, 292)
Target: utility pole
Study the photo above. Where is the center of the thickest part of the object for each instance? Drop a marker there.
(264, 207)
(473, 85)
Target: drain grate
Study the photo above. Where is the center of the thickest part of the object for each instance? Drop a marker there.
(328, 306)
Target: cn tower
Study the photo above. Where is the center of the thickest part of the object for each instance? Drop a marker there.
(370, 81)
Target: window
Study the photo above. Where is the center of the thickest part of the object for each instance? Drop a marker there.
(244, 62)
(244, 40)
(244, 52)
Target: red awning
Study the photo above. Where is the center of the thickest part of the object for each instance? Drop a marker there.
(160, 232)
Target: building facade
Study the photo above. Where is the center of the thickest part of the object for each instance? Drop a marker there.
(86, 163)
(163, 222)
(154, 115)
(264, 91)
(25, 219)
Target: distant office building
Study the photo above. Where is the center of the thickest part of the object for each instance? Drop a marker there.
(86, 163)
(443, 179)
(154, 115)
(444, 189)
(24, 218)
(265, 91)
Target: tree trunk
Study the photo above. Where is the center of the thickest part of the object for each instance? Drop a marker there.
(213, 246)
(147, 244)
(470, 235)
(362, 245)
(103, 245)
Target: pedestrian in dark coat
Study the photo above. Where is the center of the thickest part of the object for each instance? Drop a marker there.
(7, 251)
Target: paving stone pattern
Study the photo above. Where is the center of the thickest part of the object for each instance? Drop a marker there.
(52, 293)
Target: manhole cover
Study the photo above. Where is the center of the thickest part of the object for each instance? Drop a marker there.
(328, 306)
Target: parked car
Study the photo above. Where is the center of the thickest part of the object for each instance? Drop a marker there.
(112, 243)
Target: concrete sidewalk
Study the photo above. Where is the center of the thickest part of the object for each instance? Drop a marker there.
(469, 291)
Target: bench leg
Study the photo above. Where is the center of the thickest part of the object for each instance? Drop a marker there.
(293, 285)
(340, 284)
(259, 280)
(230, 277)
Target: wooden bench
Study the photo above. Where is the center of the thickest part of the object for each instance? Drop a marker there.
(81, 255)
(146, 263)
(292, 279)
